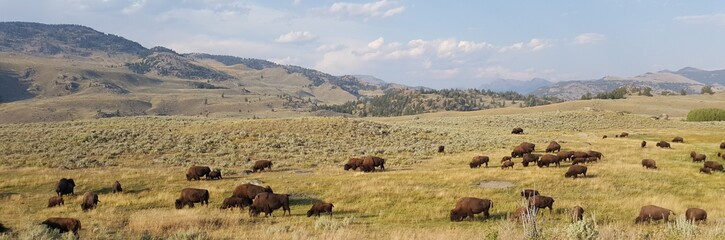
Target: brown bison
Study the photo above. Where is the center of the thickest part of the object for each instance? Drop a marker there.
(90, 201)
(565, 155)
(623, 134)
(547, 159)
(189, 196)
(517, 131)
(705, 170)
(663, 144)
(579, 154)
(678, 140)
(605, 136)
(578, 161)
(592, 159)
(528, 147)
(695, 215)
(441, 149)
(713, 166)
(268, 202)
(260, 165)
(643, 144)
(575, 170)
(65, 187)
(505, 158)
(518, 151)
(196, 172)
(468, 206)
(540, 202)
(595, 154)
(507, 164)
(519, 213)
(652, 212)
(477, 161)
(553, 147)
(529, 158)
(216, 174)
(249, 191)
(577, 213)
(722, 145)
(63, 224)
(55, 201)
(234, 202)
(649, 164)
(370, 163)
(353, 163)
(528, 193)
(697, 157)
(320, 207)
(116, 187)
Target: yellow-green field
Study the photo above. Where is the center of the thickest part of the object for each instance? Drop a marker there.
(411, 200)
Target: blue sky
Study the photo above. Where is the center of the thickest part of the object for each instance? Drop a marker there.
(431, 43)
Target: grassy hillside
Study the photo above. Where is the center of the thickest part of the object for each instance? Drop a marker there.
(411, 200)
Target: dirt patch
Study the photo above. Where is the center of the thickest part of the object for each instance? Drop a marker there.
(494, 184)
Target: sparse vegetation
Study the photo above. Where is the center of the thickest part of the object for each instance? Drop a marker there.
(707, 90)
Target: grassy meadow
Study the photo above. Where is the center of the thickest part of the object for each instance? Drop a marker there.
(411, 200)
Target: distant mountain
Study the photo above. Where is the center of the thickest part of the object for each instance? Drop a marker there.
(371, 79)
(716, 77)
(522, 87)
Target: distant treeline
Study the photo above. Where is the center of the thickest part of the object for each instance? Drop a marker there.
(398, 102)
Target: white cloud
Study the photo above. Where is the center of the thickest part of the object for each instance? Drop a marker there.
(379, 9)
(330, 47)
(533, 45)
(377, 43)
(717, 18)
(134, 7)
(587, 38)
(292, 37)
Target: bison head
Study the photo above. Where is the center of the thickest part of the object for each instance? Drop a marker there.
(254, 211)
(309, 213)
(179, 204)
(347, 166)
(456, 216)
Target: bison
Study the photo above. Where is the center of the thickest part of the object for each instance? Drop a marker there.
(663, 144)
(260, 165)
(649, 164)
(189, 196)
(353, 163)
(643, 144)
(553, 147)
(234, 202)
(505, 158)
(468, 206)
(575, 170)
(678, 140)
(564, 155)
(249, 191)
(196, 172)
(320, 207)
(528, 193)
(705, 170)
(722, 145)
(577, 213)
(216, 174)
(540, 202)
(697, 157)
(268, 202)
(477, 161)
(579, 154)
(518, 151)
(713, 165)
(547, 159)
(55, 201)
(65, 187)
(370, 163)
(507, 164)
(623, 134)
(595, 154)
(90, 201)
(592, 159)
(695, 215)
(605, 136)
(578, 161)
(528, 147)
(441, 149)
(652, 212)
(116, 187)
(517, 130)
(519, 213)
(63, 224)
(530, 157)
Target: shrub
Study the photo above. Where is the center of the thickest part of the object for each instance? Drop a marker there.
(681, 229)
(706, 114)
(191, 234)
(41, 232)
(586, 229)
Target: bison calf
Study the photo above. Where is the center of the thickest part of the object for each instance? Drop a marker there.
(507, 164)
(234, 202)
(678, 140)
(643, 144)
(63, 224)
(321, 207)
(90, 201)
(216, 174)
(577, 213)
(517, 131)
(260, 165)
(695, 215)
(55, 201)
(649, 164)
(575, 170)
(468, 206)
(652, 212)
(116, 187)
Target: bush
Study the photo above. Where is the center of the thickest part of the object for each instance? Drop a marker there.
(681, 229)
(586, 229)
(191, 234)
(41, 232)
(706, 114)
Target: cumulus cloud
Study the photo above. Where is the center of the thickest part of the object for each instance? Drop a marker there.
(377, 43)
(533, 45)
(587, 38)
(379, 9)
(293, 37)
(717, 18)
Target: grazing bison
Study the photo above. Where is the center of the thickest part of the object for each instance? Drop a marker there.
(575, 170)
(643, 144)
(697, 157)
(577, 213)
(528, 147)
(249, 191)
(678, 140)
(234, 202)
(623, 134)
(196, 172)
(579, 154)
(65, 187)
(441, 149)
(507, 164)
(517, 131)
(90, 201)
(468, 206)
(540, 202)
(55, 201)
(63, 224)
(578, 161)
(116, 187)
(713, 166)
(595, 154)
(268, 202)
(370, 163)
(189, 196)
(652, 212)
(553, 147)
(547, 159)
(518, 151)
(705, 170)
(722, 145)
(592, 159)
(477, 161)
(519, 213)
(564, 155)
(529, 158)
(260, 165)
(649, 164)
(527, 193)
(353, 163)
(216, 174)
(505, 158)
(605, 136)
(695, 215)
(663, 144)
(320, 207)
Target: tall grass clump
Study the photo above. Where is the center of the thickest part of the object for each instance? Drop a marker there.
(40, 232)
(681, 229)
(586, 229)
(706, 114)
